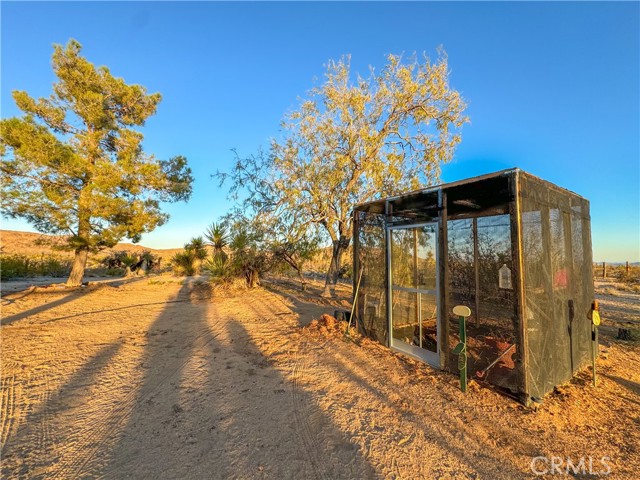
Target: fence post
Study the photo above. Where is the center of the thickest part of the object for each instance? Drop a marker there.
(627, 267)
(604, 270)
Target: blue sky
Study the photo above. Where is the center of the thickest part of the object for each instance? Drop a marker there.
(552, 88)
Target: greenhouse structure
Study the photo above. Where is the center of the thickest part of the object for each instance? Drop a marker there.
(513, 248)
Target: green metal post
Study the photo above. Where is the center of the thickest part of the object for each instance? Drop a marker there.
(463, 313)
(594, 345)
(462, 361)
(595, 321)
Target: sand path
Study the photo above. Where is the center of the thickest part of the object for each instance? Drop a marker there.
(151, 378)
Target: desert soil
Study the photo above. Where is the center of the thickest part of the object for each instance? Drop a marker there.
(159, 378)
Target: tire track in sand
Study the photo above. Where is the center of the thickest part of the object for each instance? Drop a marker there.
(301, 415)
(308, 433)
(8, 409)
(102, 429)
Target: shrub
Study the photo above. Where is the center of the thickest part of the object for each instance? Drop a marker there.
(184, 263)
(15, 265)
(218, 267)
(346, 271)
(130, 262)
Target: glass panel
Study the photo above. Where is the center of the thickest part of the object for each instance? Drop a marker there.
(426, 251)
(371, 303)
(402, 260)
(405, 317)
(495, 332)
(414, 314)
(429, 315)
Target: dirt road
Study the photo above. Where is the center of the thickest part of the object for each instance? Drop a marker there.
(152, 378)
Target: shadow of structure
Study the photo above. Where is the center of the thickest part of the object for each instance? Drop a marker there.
(211, 405)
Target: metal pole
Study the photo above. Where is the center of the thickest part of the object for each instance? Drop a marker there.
(353, 305)
(595, 321)
(415, 284)
(476, 268)
(462, 362)
(463, 312)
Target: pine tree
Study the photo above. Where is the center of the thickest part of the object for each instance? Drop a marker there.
(73, 164)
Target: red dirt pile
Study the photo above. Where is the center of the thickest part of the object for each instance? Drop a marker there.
(326, 325)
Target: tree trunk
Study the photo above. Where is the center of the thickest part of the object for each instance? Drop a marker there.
(77, 271)
(624, 334)
(331, 280)
(303, 284)
(82, 252)
(252, 278)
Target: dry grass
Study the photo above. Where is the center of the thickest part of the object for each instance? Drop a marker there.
(28, 254)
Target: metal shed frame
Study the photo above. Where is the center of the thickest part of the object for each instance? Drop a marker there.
(539, 232)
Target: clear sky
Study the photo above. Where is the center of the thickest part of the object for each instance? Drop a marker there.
(552, 88)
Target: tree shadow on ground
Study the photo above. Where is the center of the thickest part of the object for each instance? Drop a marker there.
(28, 449)
(107, 310)
(633, 387)
(307, 305)
(211, 405)
(73, 294)
(448, 433)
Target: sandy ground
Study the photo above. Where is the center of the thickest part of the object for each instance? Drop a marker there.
(155, 378)
(27, 284)
(618, 306)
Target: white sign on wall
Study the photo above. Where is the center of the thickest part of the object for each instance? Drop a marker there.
(504, 277)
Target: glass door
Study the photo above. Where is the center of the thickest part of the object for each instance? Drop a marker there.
(414, 313)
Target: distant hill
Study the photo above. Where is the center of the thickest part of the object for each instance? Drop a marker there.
(27, 243)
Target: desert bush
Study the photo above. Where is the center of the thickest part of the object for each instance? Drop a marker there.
(15, 266)
(630, 278)
(248, 247)
(115, 272)
(189, 261)
(198, 246)
(248, 259)
(217, 236)
(218, 267)
(184, 263)
(346, 271)
(130, 262)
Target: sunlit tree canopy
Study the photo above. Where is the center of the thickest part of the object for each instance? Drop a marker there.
(73, 164)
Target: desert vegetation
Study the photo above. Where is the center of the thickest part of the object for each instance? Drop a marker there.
(349, 141)
(243, 249)
(24, 266)
(627, 276)
(29, 255)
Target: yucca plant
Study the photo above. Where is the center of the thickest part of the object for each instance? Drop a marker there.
(184, 263)
(218, 238)
(247, 259)
(218, 267)
(198, 247)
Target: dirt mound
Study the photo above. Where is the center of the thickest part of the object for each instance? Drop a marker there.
(326, 325)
